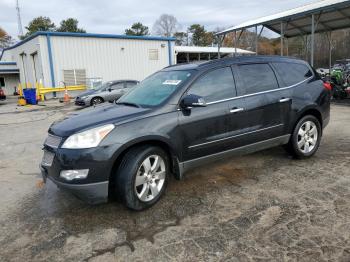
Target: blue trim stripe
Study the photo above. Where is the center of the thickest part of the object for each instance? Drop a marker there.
(9, 70)
(7, 63)
(52, 73)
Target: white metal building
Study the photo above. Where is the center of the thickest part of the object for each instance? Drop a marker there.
(53, 57)
(186, 54)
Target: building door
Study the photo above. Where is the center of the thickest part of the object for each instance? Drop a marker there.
(36, 77)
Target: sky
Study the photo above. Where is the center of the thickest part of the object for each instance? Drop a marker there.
(114, 16)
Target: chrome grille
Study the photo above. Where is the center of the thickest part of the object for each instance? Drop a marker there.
(53, 141)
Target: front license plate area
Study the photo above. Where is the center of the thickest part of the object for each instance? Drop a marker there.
(47, 158)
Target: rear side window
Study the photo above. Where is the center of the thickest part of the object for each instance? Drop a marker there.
(257, 78)
(215, 85)
(292, 73)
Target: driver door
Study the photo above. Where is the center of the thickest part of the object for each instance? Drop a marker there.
(114, 91)
(203, 130)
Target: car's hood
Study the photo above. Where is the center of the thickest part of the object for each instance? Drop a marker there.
(93, 117)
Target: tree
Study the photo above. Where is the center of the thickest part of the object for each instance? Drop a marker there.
(200, 37)
(166, 25)
(181, 38)
(40, 23)
(5, 39)
(70, 25)
(137, 29)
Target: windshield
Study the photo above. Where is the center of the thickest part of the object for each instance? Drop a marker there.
(156, 89)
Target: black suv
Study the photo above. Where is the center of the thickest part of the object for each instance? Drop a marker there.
(184, 116)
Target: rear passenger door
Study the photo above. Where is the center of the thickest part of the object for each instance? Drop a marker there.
(266, 109)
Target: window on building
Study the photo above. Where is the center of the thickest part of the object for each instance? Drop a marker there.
(215, 85)
(2, 82)
(74, 77)
(257, 78)
(292, 73)
(153, 54)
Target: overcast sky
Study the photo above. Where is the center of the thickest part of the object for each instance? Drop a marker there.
(113, 16)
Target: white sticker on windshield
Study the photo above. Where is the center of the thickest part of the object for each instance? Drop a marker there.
(172, 82)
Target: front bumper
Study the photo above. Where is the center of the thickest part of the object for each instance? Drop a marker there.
(92, 193)
(80, 102)
(100, 160)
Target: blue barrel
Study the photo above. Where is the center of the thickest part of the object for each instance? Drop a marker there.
(30, 95)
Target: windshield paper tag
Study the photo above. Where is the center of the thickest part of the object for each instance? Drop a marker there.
(172, 82)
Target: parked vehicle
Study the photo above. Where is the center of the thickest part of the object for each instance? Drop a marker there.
(108, 91)
(2, 95)
(184, 116)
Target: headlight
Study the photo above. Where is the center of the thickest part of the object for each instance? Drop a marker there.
(89, 138)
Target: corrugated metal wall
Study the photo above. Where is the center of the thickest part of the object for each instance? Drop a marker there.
(106, 58)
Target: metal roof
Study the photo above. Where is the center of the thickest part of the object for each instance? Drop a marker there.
(209, 49)
(329, 15)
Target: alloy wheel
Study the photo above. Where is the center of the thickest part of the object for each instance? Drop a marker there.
(150, 178)
(307, 137)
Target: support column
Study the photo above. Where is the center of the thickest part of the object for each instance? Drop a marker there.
(256, 40)
(312, 39)
(287, 46)
(188, 57)
(282, 38)
(330, 50)
(235, 41)
(219, 46)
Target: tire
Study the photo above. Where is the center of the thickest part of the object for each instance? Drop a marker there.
(305, 140)
(96, 101)
(135, 169)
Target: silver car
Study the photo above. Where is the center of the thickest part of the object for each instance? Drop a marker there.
(108, 91)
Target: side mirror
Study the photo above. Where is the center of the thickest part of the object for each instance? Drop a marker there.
(110, 89)
(190, 101)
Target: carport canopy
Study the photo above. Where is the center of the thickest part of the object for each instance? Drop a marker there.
(323, 16)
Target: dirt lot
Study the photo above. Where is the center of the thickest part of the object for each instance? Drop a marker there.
(262, 207)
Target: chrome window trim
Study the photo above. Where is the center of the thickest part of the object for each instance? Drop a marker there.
(259, 93)
(247, 133)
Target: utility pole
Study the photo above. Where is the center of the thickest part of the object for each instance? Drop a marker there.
(19, 21)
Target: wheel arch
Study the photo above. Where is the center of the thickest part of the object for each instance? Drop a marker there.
(152, 141)
(313, 111)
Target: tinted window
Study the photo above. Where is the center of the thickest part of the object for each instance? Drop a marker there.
(257, 78)
(215, 85)
(156, 88)
(117, 86)
(292, 73)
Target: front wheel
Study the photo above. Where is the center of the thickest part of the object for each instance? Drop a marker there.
(306, 137)
(142, 177)
(96, 101)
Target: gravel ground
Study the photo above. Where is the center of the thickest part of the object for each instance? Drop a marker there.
(260, 207)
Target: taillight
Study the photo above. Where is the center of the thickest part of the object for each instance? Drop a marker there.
(328, 86)
(2, 92)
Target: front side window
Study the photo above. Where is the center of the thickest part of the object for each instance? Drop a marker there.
(292, 73)
(117, 86)
(215, 85)
(157, 88)
(257, 78)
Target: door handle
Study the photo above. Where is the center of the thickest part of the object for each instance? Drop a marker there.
(283, 100)
(236, 110)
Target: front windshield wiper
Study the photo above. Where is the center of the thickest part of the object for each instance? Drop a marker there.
(128, 104)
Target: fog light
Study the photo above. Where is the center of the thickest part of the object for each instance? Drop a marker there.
(74, 174)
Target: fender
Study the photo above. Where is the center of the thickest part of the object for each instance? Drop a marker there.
(153, 138)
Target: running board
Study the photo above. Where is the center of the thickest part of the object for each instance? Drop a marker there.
(251, 148)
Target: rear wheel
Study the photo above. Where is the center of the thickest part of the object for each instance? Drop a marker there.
(306, 137)
(96, 101)
(142, 177)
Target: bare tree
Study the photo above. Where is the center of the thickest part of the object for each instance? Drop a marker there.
(166, 25)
